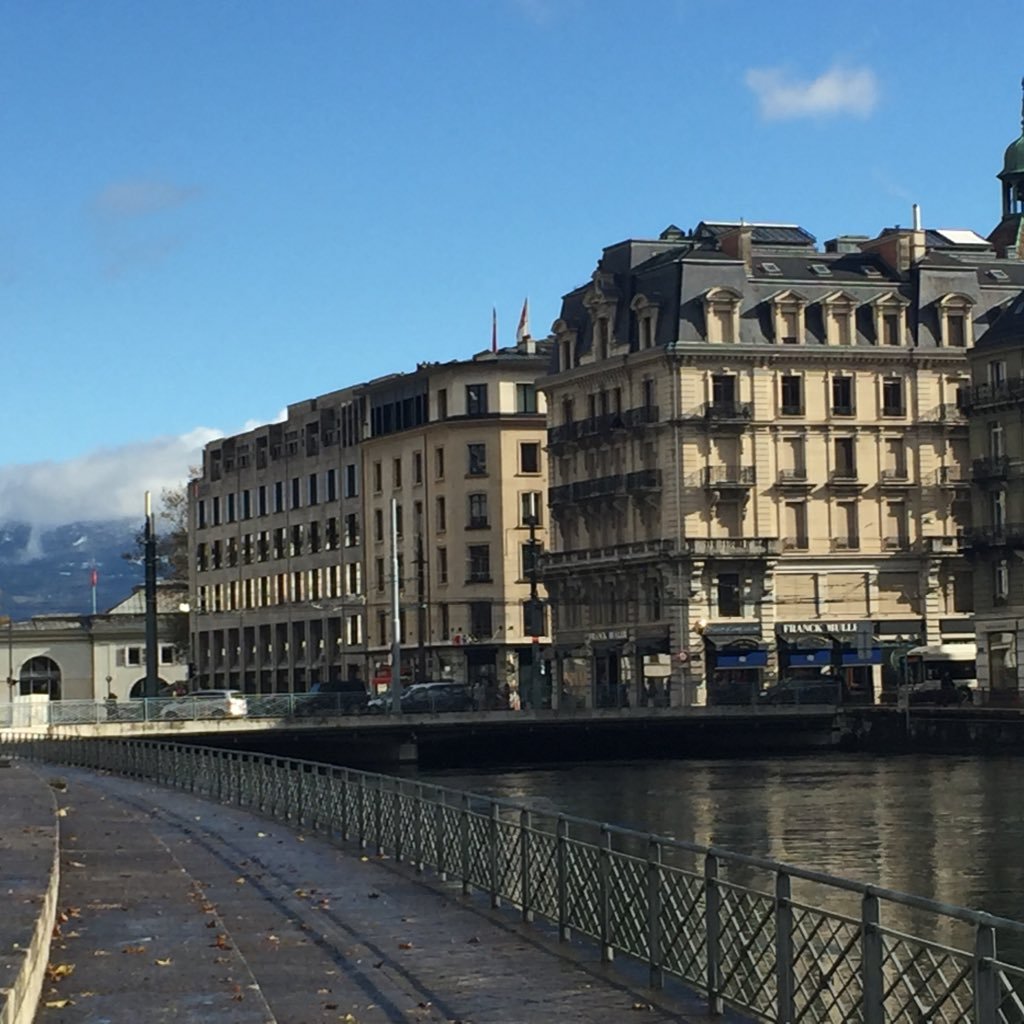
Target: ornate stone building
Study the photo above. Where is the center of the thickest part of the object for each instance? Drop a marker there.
(759, 462)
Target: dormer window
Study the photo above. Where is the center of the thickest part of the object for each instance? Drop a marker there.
(839, 309)
(955, 324)
(722, 315)
(890, 319)
(788, 317)
(565, 342)
(646, 320)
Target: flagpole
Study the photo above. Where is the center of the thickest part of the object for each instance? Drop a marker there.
(92, 581)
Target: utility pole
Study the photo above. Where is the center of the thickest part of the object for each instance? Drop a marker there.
(421, 610)
(149, 559)
(535, 612)
(395, 689)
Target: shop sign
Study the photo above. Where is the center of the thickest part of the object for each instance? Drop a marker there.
(751, 629)
(820, 628)
(604, 635)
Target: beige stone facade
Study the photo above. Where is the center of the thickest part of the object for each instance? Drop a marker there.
(759, 466)
(292, 549)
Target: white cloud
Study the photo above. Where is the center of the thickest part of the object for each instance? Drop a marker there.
(124, 199)
(106, 484)
(839, 90)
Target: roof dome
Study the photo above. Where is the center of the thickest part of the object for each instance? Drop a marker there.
(1013, 159)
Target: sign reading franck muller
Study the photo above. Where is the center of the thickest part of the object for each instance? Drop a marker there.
(820, 628)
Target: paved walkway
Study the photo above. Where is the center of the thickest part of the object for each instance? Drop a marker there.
(178, 909)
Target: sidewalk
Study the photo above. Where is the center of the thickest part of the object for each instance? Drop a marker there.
(179, 909)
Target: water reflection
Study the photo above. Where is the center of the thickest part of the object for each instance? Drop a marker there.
(948, 828)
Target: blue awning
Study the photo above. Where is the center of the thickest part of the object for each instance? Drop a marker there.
(872, 657)
(741, 659)
(822, 656)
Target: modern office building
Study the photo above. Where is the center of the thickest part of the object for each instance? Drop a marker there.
(759, 462)
(291, 528)
(995, 408)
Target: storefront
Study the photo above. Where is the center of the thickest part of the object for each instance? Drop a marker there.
(896, 637)
(844, 651)
(736, 660)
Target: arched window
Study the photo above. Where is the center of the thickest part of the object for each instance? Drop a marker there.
(138, 689)
(40, 675)
(955, 322)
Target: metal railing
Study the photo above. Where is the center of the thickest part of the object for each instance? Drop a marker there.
(781, 942)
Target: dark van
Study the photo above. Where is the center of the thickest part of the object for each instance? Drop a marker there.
(334, 697)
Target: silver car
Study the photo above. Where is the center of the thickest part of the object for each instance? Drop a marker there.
(208, 704)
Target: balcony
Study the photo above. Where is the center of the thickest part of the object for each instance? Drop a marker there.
(1009, 535)
(728, 412)
(894, 479)
(995, 467)
(643, 480)
(731, 547)
(618, 554)
(601, 487)
(563, 433)
(599, 427)
(952, 476)
(845, 478)
(794, 479)
(478, 523)
(641, 416)
(560, 495)
(1004, 392)
(725, 477)
(615, 485)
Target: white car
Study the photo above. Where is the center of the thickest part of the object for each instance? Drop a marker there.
(208, 704)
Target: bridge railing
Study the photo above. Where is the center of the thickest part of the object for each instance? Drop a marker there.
(782, 942)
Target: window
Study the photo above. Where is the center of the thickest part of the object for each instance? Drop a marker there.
(331, 534)
(296, 545)
(795, 526)
(890, 319)
(355, 579)
(792, 395)
(382, 629)
(792, 459)
(313, 489)
(891, 329)
(201, 513)
(417, 467)
(398, 521)
(845, 465)
(480, 620)
(231, 508)
(378, 525)
(216, 511)
(378, 477)
(529, 559)
(438, 463)
(445, 617)
(1001, 582)
(842, 396)
(478, 519)
(535, 618)
(729, 599)
(261, 500)
(314, 537)
(996, 372)
(997, 510)
(477, 456)
(479, 563)
(892, 397)
(956, 330)
(647, 393)
(442, 403)
(526, 398)
(894, 454)
(529, 457)
(723, 390)
(955, 320)
(354, 632)
(381, 577)
(441, 514)
(442, 565)
(894, 530)
(721, 315)
(352, 481)
(296, 492)
(279, 496)
(996, 440)
(331, 481)
(476, 399)
(529, 508)
(396, 472)
(352, 530)
(847, 536)
(167, 654)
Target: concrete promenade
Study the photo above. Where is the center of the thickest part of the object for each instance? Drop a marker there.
(174, 908)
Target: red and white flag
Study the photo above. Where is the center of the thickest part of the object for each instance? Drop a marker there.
(523, 330)
(494, 329)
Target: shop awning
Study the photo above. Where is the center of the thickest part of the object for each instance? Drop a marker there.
(871, 657)
(822, 656)
(738, 658)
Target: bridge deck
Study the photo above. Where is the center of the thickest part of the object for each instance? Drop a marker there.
(209, 912)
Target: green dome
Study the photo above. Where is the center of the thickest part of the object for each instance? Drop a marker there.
(1013, 159)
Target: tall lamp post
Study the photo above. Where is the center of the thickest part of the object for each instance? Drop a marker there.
(149, 558)
(534, 617)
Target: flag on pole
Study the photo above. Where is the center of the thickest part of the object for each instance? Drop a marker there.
(94, 577)
(523, 330)
(494, 329)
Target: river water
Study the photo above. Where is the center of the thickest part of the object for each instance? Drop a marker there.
(948, 828)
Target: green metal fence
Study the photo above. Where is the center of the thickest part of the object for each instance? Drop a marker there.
(781, 942)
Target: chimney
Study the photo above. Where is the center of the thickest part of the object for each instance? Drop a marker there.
(737, 243)
(918, 247)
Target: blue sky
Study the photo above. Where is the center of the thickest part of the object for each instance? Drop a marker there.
(210, 210)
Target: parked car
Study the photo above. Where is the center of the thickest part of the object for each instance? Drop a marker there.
(826, 690)
(426, 697)
(335, 696)
(207, 704)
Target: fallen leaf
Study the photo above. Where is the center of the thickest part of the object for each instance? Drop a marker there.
(75, 864)
(221, 942)
(57, 1004)
(239, 881)
(54, 972)
(100, 952)
(641, 1006)
(405, 945)
(62, 812)
(163, 963)
(134, 950)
